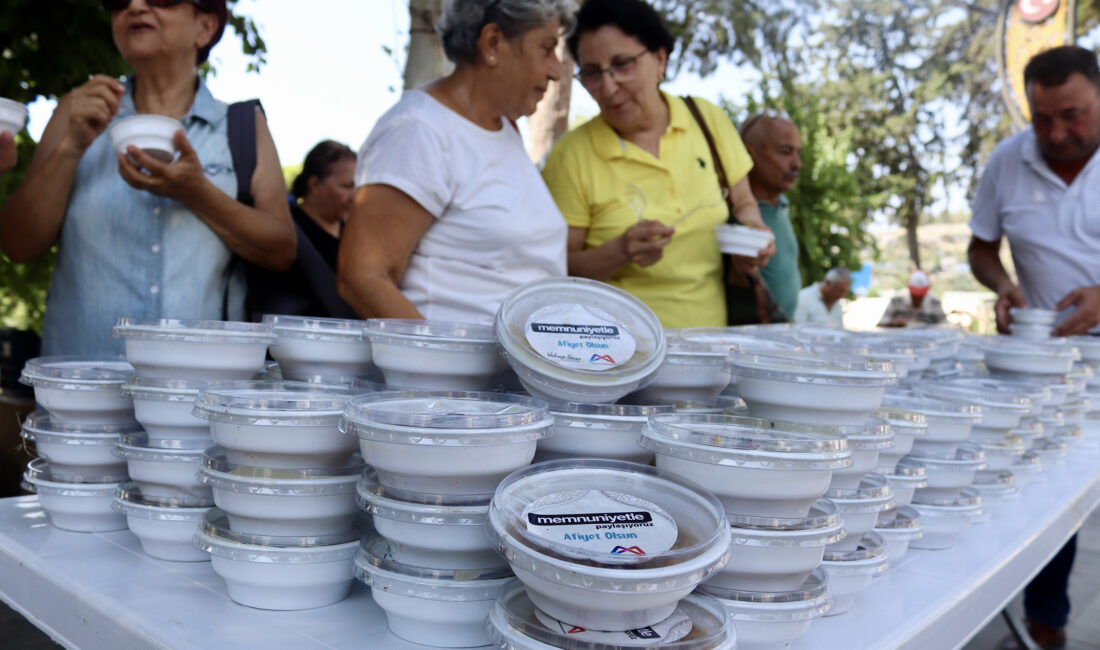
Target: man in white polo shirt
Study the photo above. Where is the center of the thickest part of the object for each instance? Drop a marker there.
(1041, 190)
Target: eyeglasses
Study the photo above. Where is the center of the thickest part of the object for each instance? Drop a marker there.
(119, 5)
(621, 69)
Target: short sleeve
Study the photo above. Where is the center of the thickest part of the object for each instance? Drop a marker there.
(985, 217)
(406, 153)
(562, 175)
(735, 157)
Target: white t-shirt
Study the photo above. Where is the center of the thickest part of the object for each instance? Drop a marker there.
(811, 308)
(1053, 230)
(496, 226)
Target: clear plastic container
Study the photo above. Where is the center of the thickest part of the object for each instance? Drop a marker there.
(1002, 405)
(947, 339)
(1031, 316)
(328, 349)
(78, 507)
(446, 443)
(194, 349)
(1089, 346)
(907, 426)
(78, 453)
(945, 519)
(570, 531)
(756, 467)
(700, 622)
(1053, 452)
(899, 532)
(950, 420)
(607, 431)
(578, 340)
(433, 607)
(163, 472)
(1012, 355)
(902, 354)
(850, 571)
(264, 501)
(995, 487)
(278, 424)
(859, 509)
(692, 373)
(163, 407)
(948, 474)
(445, 531)
(279, 572)
(1001, 455)
(907, 477)
(867, 442)
(747, 339)
(812, 387)
(1028, 469)
(770, 620)
(166, 532)
(777, 554)
(85, 390)
(434, 355)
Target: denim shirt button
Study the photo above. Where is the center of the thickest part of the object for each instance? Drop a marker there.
(154, 289)
(156, 211)
(156, 248)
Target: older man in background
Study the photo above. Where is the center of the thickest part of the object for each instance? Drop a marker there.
(775, 145)
(919, 307)
(820, 302)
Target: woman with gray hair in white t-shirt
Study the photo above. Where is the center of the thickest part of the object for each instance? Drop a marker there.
(450, 214)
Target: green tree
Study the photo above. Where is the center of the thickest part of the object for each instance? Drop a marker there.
(49, 49)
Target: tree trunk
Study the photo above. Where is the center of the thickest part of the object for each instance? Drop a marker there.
(426, 61)
(912, 220)
(551, 119)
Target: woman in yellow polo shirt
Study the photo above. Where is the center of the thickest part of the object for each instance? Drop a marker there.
(636, 184)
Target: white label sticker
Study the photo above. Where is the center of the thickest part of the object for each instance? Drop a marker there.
(671, 629)
(602, 522)
(579, 337)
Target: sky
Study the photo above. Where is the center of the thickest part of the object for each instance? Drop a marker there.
(328, 75)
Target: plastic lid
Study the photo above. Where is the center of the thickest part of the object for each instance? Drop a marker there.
(969, 498)
(995, 478)
(38, 478)
(136, 447)
(1050, 445)
(1010, 444)
(815, 587)
(1014, 346)
(166, 390)
(733, 439)
(431, 334)
(40, 425)
(903, 421)
(194, 331)
(635, 411)
(76, 373)
(910, 467)
(873, 486)
(907, 518)
(744, 338)
(1028, 459)
(316, 329)
(983, 392)
(967, 453)
(681, 352)
(935, 409)
(375, 566)
(419, 507)
(1040, 391)
(871, 547)
(130, 501)
(823, 514)
(219, 473)
(271, 402)
(215, 537)
(802, 366)
(1028, 429)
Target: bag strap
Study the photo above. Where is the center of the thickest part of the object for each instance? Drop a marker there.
(719, 168)
(241, 125)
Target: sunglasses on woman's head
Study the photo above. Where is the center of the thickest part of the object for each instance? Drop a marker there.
(119, 5)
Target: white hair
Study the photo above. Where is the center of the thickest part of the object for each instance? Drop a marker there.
(837, 275)
(461, 22)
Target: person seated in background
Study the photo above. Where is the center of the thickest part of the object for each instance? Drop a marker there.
(450, 215)
(322, 195)
(9, 155)
(920, 306)
(136, 236)
(820, 302)
(775, 145)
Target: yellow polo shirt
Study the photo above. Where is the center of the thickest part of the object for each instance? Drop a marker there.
(588, 173)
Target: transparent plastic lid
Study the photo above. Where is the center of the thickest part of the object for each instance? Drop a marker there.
(871, 547)
(136, 447)
(375, 567)
(995, 478)
(983, 392)
(739, 439)
(816, 586)
(219, 473)
(873, 487)
(969, 498)
(681, 352)
(903, 421)
(447, 411)
(215, 537)
(419, 507)
(39, 475)
(802, 366)
(130, 501)
(1028, 429)
(967, 453)
(935, 409)
(194, 331)
(634, 411)
(76, 372)
(165, 390)
(316, 329)
(1010, 444)
(1015, 346)
(1028, 459)
(896, 352)
(909, 467)
(744, 339)
(1050, 445)
(245, 401)
(941, 335)
(513, 614)
(432, 334)
(40, 425)
(823, 514)
(907, 518)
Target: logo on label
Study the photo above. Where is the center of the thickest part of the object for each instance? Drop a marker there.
(576, 630)
(589, 518)
(606, 358)
(566, 328)
(633, 550)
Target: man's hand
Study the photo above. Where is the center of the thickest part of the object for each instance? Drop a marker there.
(1011, 297)
(176, 180)
(645, 241)
(1087, 315)
(8, 153)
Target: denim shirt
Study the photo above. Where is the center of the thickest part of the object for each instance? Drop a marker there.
(127, 252)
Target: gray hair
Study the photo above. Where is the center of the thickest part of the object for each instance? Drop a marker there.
(838, 275)
(460, 24)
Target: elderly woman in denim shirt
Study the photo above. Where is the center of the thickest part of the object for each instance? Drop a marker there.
(136, 236)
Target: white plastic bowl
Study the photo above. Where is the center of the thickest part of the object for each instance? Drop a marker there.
(995, 487)
(1030, 332)
(851, 571)
(899, 532)
(13, 115)
(1001, 455)
(78, 507)
(692, 373)
(86, 390)
(756, 467)
(446, 443)
(1031, 316)
(319, 349)
(735, 239)
(608, 431)
(1011, 355)
(949, 421)
(1052, 451)
(771, 554)
(434, 355)
(279, 573)
(294, 502)
(78, 453)
(1003, 404)
(700, 622)
(866, 442)
(578, 340)
(945, 519)
(771, 620)
(908, 476)
(278, 424)
(949, 474)
(153, 134)
(163, 407)
(812, 387)
(441, 531)
(166, 530)
(163, 471)
(858, 509)
(907, 426)
(1089, 346)
(569, 530)
(901, 353)
(435, 607)
(194, 349)
(1028, 469)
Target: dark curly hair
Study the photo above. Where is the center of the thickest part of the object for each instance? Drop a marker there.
(634, 17)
